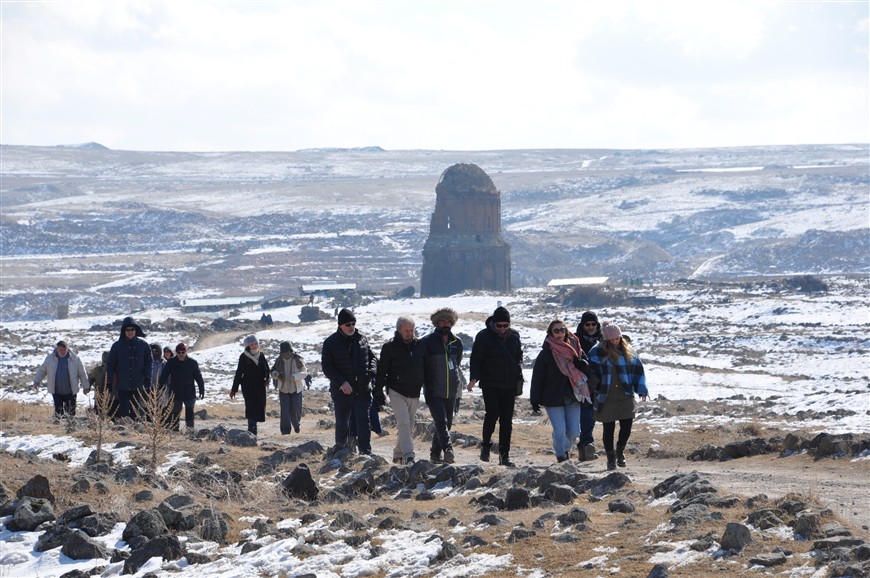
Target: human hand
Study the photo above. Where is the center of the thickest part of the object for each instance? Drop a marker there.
(36, 386)
(345, 388)
(232, 395)
(643, 397)
(581, 364)
(470, 385)
(202, 395)
(536, 409)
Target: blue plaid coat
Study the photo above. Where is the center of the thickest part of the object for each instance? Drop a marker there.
(631, 375)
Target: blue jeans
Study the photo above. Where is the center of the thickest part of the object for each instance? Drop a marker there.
(291, 411)
(355, 408)
(565, 420)
(442, 418)
(587, 424)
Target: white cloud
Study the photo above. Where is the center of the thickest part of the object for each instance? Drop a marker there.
(279, 76)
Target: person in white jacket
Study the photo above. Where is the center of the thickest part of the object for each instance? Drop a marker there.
(288, 374)
(65, 373)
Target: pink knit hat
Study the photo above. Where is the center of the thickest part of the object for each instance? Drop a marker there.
(610, 331)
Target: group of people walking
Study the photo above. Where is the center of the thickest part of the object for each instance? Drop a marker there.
(578, 378)
(587, 377)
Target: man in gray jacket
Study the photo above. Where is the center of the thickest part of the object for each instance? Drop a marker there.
(65, 373)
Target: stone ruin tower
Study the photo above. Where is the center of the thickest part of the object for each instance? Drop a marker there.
(465, 249)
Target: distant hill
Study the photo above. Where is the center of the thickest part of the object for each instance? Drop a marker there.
(96, 228)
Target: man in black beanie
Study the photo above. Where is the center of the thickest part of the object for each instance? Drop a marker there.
(496, 362)
(349, 364)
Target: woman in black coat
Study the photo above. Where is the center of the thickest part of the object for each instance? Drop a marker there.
(252, 374)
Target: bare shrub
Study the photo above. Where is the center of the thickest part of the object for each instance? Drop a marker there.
(104, 412)
(156, 419)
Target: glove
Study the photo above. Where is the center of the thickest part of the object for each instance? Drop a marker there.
(536, 410)
(202, 395)
(308, 381)
(232, 395)
(581, 364)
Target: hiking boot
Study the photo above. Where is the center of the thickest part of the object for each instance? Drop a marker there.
(448, 456)
(561, 459)
(611, 460)
(435, 457)
(588, 453)
(253, 429)
(399, 461)
(620, 455)
(505, 460)
(484, 451)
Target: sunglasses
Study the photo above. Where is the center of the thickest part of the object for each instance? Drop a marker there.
(502, 325)
(590, 324)
(129, 329)
(349, 324)
(559, 330)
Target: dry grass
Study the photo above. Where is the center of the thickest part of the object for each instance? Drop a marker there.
(626, 541)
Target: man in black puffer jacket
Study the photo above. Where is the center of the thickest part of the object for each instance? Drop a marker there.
(349, 364)
(400, 371)
(496, 362)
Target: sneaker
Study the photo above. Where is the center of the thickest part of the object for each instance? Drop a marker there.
(383, 433)
(399, 461)
(435, 457)
(448, 456)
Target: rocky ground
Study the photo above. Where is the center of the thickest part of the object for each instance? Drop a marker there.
(745, 500)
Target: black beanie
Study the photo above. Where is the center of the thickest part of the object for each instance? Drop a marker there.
(588, 316)
(286, 346)
(346, 316)
(501, 315)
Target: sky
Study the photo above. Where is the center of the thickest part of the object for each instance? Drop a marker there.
(283, 76)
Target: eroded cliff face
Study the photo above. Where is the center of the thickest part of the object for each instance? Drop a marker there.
(465, 248)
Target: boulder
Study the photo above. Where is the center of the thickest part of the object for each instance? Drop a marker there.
(147, 523)
(30, 513)
(36, 487)
(80, 546)
(300, 484)
(166, 547)
(735, 537)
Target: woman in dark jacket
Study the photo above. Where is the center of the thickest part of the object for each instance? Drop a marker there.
(559, 365)
(252, 374)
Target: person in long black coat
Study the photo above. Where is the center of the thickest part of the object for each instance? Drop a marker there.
(252, 374)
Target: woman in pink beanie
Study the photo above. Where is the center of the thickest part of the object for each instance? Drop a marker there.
(621, 373)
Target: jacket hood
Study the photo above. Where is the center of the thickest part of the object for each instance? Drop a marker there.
(129, 322)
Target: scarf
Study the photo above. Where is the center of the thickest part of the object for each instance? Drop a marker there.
(254, 358)
(565, 352)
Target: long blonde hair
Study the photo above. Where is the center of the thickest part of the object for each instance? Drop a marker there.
(623, 348)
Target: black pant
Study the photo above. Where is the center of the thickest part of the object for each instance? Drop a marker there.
(188, 411)
(442, 418)
(624, 433)
(64, 404)
(499, 404)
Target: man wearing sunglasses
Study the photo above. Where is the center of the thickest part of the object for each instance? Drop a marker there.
(589, 334)
(496, 362)
(348, 362)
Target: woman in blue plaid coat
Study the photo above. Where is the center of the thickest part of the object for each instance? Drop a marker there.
(621, 373)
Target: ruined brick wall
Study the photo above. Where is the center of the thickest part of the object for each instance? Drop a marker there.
(465, 248)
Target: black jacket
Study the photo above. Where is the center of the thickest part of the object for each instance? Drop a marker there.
(254, 380)
(348, 358)
(400, 367)
(183, 376)
(497, 361)
(442, 366)
(550, 386)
